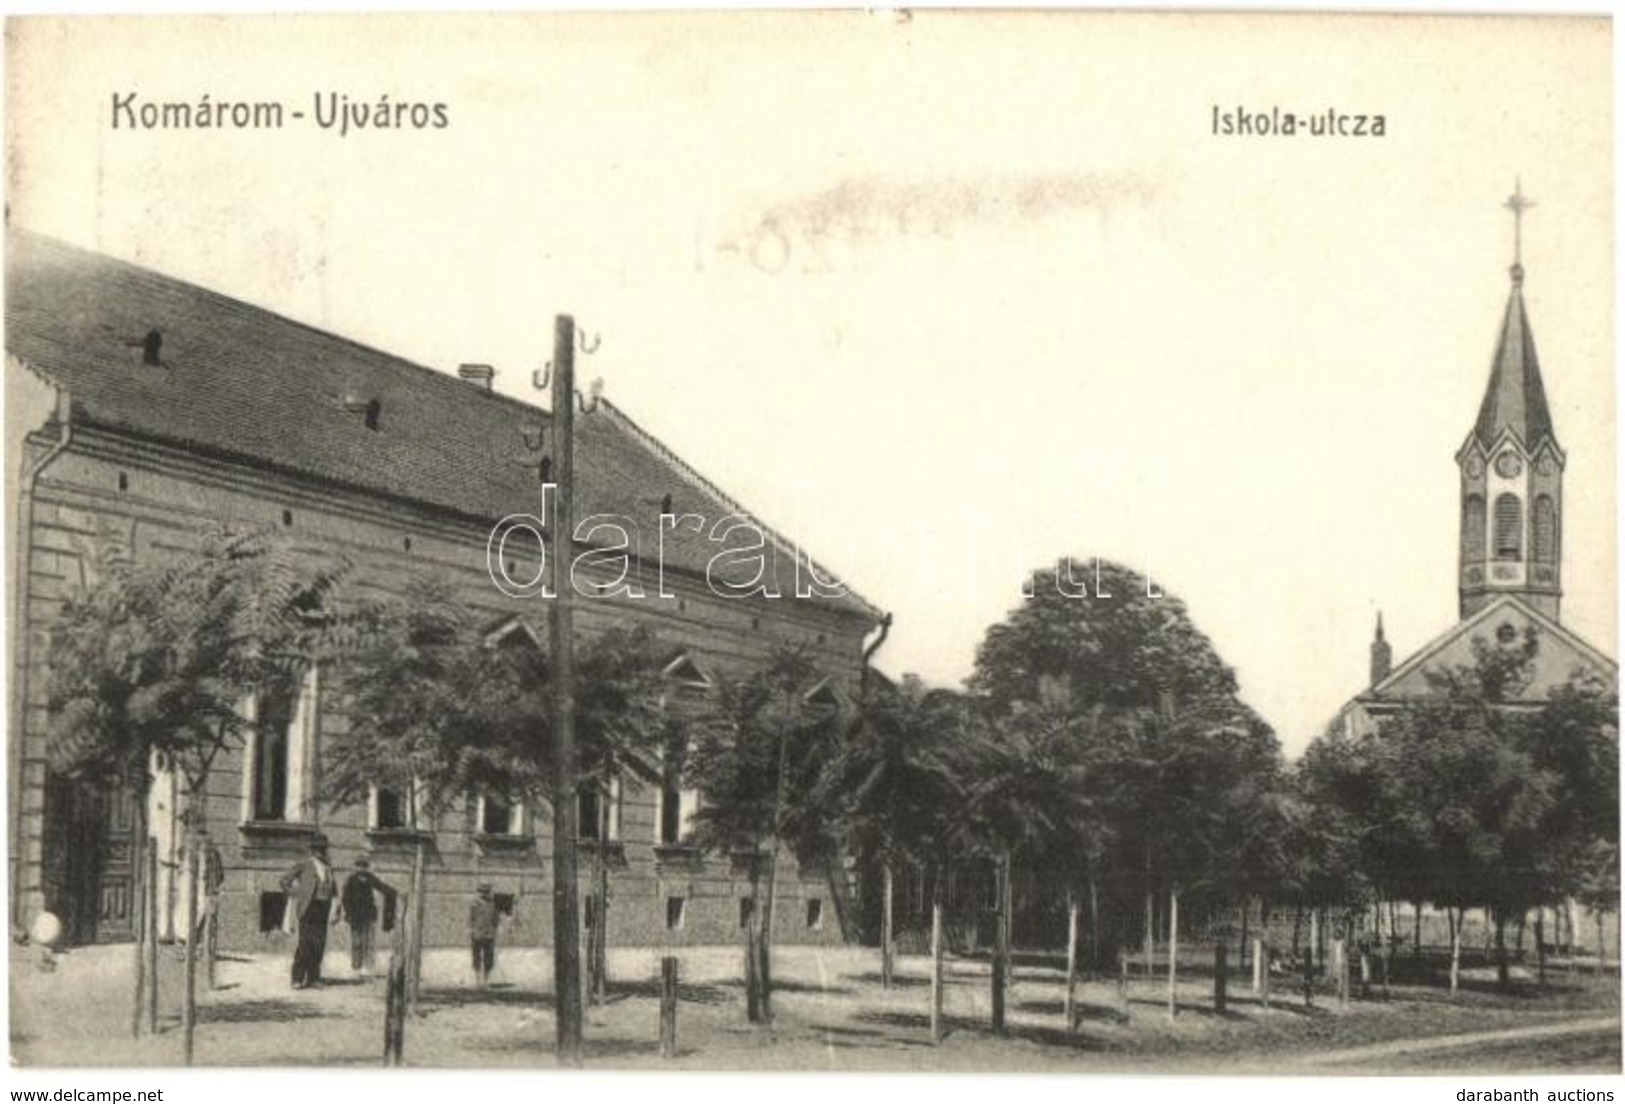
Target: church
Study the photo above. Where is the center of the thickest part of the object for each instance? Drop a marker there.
(1509, 578)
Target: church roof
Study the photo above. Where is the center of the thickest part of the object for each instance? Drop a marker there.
(1559, 655)
(1515, 399)
(241, 383)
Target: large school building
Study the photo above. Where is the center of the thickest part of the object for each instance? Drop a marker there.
(142, 409)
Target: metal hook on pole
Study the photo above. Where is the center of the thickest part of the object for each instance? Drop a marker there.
(588, 348)
(595, 394)
(542, 377)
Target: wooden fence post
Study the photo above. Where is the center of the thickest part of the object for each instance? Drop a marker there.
(1173, 953)
(211, 940)
(936, 961)
(1221, 970)
(998, 992)
(1262, 961)
(395, 1009)
(143, 932)
(886, 939)
(1069, 1004)
(152, 938)
(1602, 945)
(668, 1007)
(1122, 984)
(1312, 961)
(1340, 963)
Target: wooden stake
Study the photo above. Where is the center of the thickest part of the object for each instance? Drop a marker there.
(1540, 945)
(1150, 931)
(1455, 948)
(395, 1008)
(936, 961)
(885, 925)
(998, 993)
(1173, 953)
(1312, 959)
(152, 937)
(414, 934)
(598, 950)
(1568, 926)
(189, 992)
(1122, 984)
(1069, 1005)
(211, 938)
(1094, 928)
(1243, 944)
(668, 1007)
(1221, 975)
(1602, 945)
(143, 932)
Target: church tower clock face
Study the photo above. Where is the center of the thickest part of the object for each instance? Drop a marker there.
(1508, 466)
(1475, 467)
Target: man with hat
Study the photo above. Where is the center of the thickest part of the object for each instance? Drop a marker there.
(358, 907)
(482, 932)
(311, 890)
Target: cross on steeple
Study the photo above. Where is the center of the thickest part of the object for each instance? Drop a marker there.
(1517, 204)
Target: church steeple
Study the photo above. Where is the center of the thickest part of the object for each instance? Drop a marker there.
(1512, 468)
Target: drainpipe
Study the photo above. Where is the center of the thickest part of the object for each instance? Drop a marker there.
(868, 653)
(836, 875)
(20, 642)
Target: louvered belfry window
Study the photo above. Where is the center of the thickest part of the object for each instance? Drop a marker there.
(1472, 528)
(1508, 527)
(1545, 534)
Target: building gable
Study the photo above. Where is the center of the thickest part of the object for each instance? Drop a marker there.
(1559, 654)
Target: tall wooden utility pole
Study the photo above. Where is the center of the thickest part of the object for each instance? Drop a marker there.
(566, 906)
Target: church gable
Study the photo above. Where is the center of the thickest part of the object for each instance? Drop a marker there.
(1559, 654)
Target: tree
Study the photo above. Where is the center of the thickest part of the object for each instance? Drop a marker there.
(1181, 772)
(1026, 788)
(1110, 644)
(159, 662)
(898, 787)
(757, 759)
(446, 708)
(621, 730)
(1474, 796)
(891, 780)
(1599, 890)
(438, 710)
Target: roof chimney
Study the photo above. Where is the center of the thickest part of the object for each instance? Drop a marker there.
(480, 375)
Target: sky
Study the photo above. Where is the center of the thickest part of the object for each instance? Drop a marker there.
(945, 296)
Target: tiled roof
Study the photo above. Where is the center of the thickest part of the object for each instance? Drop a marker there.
(242, 382)
(1515, 398)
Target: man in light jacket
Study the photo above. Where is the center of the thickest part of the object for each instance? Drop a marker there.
(312, 890)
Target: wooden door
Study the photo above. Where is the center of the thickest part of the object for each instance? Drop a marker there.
(93, 852)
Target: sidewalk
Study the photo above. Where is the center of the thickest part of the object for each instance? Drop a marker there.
(831, 1014)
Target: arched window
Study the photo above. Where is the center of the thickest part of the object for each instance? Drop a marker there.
(1545, 534)
(1508, 527)
(1472, 529)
